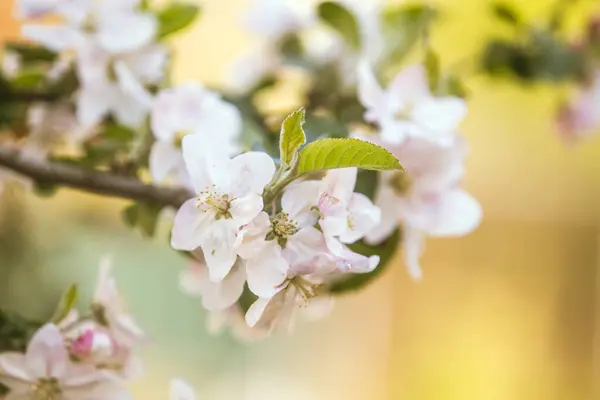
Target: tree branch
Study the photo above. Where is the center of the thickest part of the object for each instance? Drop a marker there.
(103, 183)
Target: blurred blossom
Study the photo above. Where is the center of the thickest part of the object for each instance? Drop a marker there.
(46, 372)
(190, 109)
(50, 125)
(11, 64)
(407, 108)
(181, 390)
(579, 118)
(426, 200)
(251, 67)
(274, 19)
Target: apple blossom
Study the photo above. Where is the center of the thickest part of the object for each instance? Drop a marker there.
(579, 118)
(229, 195)
(407, 108)
(427, 199)
(45, 372)
(190, 109)
(274, 19)
(181, 390)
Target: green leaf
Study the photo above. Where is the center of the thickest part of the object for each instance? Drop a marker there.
(341, 153)
(176, 17)
(432, 67)
(45, 189)
(143, 216)
(30, 52)
(402, 27)
(339, 18)
(119, 133)
(66, 303)
(506, 13)
(291, 137)
(28, 78)
(385, 251)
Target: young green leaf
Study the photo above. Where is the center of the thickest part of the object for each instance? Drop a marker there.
(66, 303)
(432, 66)
(176, 17)
(339, 18)
(506, 13)
(292, 136)
(342, 153)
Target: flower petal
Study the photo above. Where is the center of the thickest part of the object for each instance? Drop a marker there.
(165, 160)
(189, 227)
(409, 86)
(54, 37)
(131, 86)
(219, 249)
(205, 163)
(93, 103)
(252, 171)
(363, 217)
(340, 183)
(441, 115)
(13, 365)
(266, 271)
(46, 354)
(460, 214)
(370, 93)
(181, 390)
(244, 209)
(121, 32)
(388, 202)
(413, 244)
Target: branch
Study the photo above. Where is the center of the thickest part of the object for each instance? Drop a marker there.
(103, 183)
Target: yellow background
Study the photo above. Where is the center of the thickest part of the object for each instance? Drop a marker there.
(507, 313)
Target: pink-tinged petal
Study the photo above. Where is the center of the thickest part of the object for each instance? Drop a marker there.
(252, 171)
(128, 110)
(131, 86)
(318, 308)
(299, 198)
(126, 329)
(256, 311)
(409, 86)
(106, 390)
(370, 93)
(303, 246)
(205, 163)
(251, 238)
(413, 244)
(13, 366)
(123, 32)
(347, 261)
(395, 132)
(245, 209)
(81, 375)
(267, 271)
(181, 390)
(363, 217)
(54, 37)
(192, 280)
(165, 160)
(148, 64)
(441, 115)
(388, 202)
(267, 313)
(219, 249)
(219, 120)
(75, 11)
(189, 227)
(179, 110)
(460, 214)
(92, 65)
(340, 183)
(215, 296)
(46, 354)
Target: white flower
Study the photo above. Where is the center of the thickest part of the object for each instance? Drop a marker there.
(276, 18)
(11, 64)
(73, 10)
(427, 199)
(229, 195)
(190, 109)
(344, 216)
(215, 295)
(109, 310)
(45, 372)
(181, 390)
(50, 125)
(407, 108)
(251, 67)
(232, 318)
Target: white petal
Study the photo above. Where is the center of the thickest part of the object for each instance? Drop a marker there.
(410, 85)
(304, 245)
(363, 217)
(340, 183)
(205, 163)
(256, 310)
(318, 308)
(82, 376)
(46, 354)
(413, 243)
(387, 201)
(299, 198)
(215, 296)
(54, 37)
(131, 86)
(442, 115)
(126, 31)
(219, 249)
(189, 227)
(252, 171)
(370, 93)
(266, 271)
(267, 313)
(460, 214)
(181, 390)
(245, 209)
(149, 63)
(92, 65)
(14, 366)
(165, 159)
(93, 103)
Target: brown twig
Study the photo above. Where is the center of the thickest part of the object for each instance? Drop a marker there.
(103, 183)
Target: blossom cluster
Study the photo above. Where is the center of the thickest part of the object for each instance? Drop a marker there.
(82, 356)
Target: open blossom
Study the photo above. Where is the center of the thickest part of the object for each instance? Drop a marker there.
(344, 216)
(274, 19)
(190, 109)
(426, 200)
(46, 372)
(407, 108)
(229, 195)
(181, 390)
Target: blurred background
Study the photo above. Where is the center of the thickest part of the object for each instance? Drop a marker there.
(507, 313)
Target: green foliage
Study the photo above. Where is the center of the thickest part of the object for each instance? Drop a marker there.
(45, 189)
(28, 78)
(385, 251)
(403, 26)
(176, 17)
(31, 53)
(142, 216)
(341, 153)
(506, 13)
(291, 137)
(342, 20)
(366, 183)
(66, 303)
(119, 133)
(432, 67)
(15, 331)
